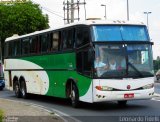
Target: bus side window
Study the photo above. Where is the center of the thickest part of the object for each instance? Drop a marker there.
(34, 45)
(68, 39)
(82, 36)
(25, 46)
(7, 49)
(84, 61)
(55, 40)
(44, 42)
(10, 48)
(17, 48)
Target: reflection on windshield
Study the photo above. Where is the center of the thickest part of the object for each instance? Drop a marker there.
(113, 59)
(123, 61)
(139, 60)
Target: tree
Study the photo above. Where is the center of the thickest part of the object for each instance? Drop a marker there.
(156, 64)
(20, 18)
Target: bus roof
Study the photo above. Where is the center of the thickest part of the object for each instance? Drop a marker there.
(88, 22)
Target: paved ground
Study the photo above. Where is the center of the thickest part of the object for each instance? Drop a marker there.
(24, 112)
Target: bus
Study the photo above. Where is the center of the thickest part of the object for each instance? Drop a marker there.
(61, 62)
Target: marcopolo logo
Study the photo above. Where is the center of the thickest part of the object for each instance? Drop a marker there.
(128, 87)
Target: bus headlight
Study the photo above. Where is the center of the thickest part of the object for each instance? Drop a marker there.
(104, 88)
(149, 86)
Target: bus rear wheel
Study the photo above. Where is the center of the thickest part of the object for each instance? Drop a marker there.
(122, 103)
(17, 90)
(23, 89)
(74, 96)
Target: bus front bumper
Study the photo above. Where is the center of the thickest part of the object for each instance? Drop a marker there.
(100, 96)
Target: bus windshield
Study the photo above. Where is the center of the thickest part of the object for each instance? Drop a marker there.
(120, 33)
(123, 61)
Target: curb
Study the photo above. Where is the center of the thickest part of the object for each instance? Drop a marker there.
(36, 106)
(65, 118)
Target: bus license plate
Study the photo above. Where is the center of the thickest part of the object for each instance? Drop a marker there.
(129, 95)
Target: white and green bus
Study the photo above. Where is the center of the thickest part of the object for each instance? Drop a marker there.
(61, 62)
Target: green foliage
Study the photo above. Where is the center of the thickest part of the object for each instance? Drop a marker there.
(21, 18)
(1, 115)
(156, 64)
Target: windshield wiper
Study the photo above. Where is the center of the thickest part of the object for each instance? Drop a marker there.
(138, 72)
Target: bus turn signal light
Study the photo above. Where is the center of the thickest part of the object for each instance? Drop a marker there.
(104, 88)
(99, 88)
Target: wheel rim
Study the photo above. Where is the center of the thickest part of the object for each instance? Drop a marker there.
(23, 92)
(16, 89)
(73, 96)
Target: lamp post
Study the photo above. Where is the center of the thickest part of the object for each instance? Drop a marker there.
(147, 13)
(105, 10)
(127, 10)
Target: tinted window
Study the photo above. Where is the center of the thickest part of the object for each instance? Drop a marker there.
(85, 61)
(34, 45)
(17, 48)
(44, 42)
(13, 48)
(7, 49)
(10, 48)
(67, 39)
(82, 36)
(25, 46)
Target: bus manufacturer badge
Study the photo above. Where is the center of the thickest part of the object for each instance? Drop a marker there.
(128, 87)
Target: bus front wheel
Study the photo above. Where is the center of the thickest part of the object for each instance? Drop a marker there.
(74, 96)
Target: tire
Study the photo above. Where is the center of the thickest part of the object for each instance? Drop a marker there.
(158, 78)
(23, 90)
(74, 96)
(17, 90)
(122, 103)
(1, 88)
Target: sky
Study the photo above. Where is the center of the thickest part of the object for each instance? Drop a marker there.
(115, 10)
